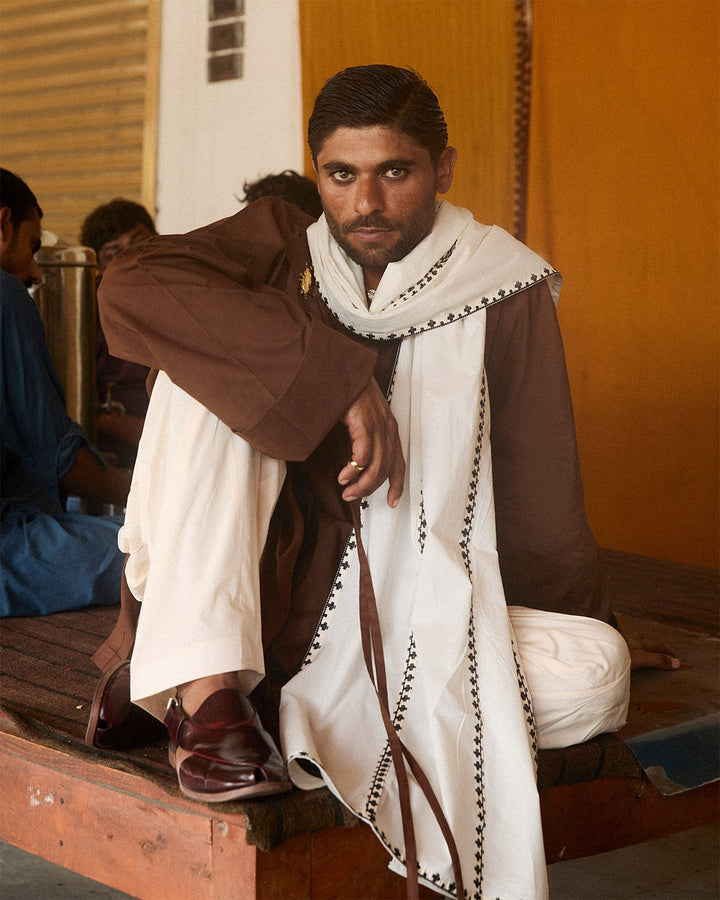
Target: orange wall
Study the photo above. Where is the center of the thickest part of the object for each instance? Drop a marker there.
(463, 48)
(623, 199)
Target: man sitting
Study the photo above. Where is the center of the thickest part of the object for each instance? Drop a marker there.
(459, 616)
(51, 560)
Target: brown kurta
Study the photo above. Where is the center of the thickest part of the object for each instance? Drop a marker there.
(222, 312)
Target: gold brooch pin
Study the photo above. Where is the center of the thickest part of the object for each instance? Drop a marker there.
(306, 281)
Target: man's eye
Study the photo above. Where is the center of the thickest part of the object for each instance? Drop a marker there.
(341, 176)
(395, 173)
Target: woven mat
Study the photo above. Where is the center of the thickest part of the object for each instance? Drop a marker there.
(47, 680)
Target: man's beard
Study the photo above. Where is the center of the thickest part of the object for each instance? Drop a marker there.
(409, 233)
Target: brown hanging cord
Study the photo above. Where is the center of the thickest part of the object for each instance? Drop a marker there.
(522, 23)
(375, 664)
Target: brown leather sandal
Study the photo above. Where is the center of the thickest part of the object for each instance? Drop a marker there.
(115, 723)
(222, 752)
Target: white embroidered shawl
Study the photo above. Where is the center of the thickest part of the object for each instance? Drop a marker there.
(457, 693)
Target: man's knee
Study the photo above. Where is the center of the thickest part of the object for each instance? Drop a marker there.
(578, 673)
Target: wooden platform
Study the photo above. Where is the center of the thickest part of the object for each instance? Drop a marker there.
(119, 818)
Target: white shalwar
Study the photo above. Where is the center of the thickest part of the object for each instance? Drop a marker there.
(461, 666)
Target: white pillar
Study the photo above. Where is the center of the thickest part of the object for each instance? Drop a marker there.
(215, 136)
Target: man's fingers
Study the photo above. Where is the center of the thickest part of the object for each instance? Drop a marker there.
(351, 472)
(362, 477)
(648, 653)
(376, 449)
(647, 659)
(388, 465)
(367, 481)
(397, 478)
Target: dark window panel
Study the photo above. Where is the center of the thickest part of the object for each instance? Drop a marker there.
(228, 36)
(225, 9)
(225, 67)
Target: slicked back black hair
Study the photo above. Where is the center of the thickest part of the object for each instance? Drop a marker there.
(363, 96)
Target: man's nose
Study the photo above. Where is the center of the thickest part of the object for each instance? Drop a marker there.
(368, 197)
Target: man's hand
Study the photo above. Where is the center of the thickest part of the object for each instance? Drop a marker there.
(88, 479)
(646, 653)
(375, 448)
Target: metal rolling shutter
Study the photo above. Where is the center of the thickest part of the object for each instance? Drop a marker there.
(78, 103)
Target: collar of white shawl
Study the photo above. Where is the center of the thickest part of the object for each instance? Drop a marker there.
(460, 268)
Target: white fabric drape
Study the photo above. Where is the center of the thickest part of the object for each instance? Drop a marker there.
(197, 520)
(196, 523)
(461, 703)
(458, 269)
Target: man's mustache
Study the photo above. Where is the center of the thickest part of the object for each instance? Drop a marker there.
(373, 221)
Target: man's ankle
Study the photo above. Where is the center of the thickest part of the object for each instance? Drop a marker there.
(192, 694)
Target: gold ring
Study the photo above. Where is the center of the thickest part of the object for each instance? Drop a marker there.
(356, 466)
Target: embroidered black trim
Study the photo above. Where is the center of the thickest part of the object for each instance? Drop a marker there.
(425, 280)
(479, 777)
(422, 523)
(450, 317)
(526, 702)
(433, 877)
(330, 604)
(391, 384)
(472, 488)
(384, 763)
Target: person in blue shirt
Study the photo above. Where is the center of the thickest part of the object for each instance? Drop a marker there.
(50, 560)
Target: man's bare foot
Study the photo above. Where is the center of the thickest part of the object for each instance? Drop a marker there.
(646, 653)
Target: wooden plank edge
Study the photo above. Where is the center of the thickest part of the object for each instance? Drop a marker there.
(594, 817)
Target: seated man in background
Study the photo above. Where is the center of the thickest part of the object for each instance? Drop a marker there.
(51, 560)
(108, 230)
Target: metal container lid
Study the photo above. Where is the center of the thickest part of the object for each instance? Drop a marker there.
(56, 251)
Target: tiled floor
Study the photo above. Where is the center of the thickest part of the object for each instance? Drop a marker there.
(681, 867)
(27, 877)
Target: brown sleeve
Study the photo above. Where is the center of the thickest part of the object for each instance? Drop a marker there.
(220, 311)
(549, 558)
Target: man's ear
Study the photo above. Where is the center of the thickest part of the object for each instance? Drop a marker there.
(445, 168)
(6, 225)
